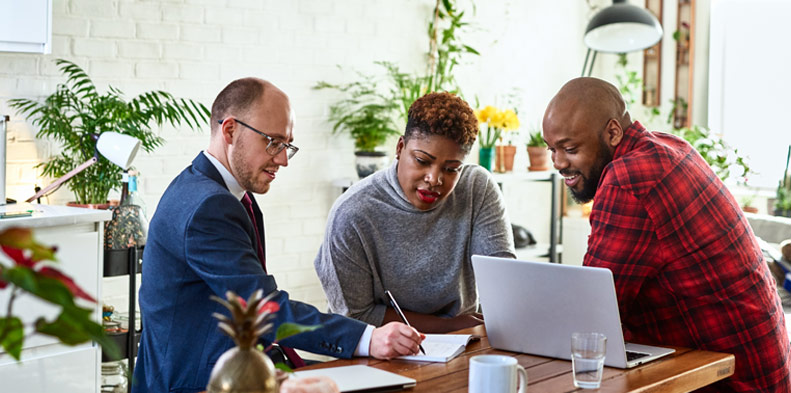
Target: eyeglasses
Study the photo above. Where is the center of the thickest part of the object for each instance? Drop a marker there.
(275, 146)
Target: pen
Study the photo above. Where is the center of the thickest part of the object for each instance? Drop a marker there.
(401, 314)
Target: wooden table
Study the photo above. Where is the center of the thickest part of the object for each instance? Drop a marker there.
(682, 371)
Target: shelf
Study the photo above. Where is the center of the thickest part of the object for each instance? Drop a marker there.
(536, 251)
(121, 341)
(551, 250)
(121, 263)
(529, 175)
(116, 262)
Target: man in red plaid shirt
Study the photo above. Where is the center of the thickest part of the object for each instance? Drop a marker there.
(688, 270)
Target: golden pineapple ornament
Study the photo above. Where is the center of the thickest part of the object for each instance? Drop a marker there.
(244, 369)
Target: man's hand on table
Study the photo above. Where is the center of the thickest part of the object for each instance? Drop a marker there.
(393, 340)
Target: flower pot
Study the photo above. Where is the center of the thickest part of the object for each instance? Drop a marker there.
(486, 157)
(504, 161)
(539, 159)
(243, 370)
(368, 162)
(750, 209)
(98, 206)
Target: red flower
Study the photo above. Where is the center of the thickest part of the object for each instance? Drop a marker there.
(270, 307)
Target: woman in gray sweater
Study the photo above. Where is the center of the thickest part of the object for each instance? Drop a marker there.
(412, 228)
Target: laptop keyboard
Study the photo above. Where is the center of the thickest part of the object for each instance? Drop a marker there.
(632, 355)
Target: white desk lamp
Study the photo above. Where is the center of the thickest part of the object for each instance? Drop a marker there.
(620, 28)
(118, 148)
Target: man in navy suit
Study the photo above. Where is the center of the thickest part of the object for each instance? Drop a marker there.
(206, 238)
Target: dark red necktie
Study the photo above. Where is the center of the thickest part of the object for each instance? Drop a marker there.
(248, 205)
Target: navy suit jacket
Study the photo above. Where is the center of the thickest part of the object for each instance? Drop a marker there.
(201, 243)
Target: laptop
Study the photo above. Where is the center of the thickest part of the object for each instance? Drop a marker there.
(533, 307)
(361, 378)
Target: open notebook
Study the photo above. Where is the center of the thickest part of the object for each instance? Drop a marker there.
(442, 347)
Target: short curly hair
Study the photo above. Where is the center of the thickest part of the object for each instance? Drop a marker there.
(442, 114)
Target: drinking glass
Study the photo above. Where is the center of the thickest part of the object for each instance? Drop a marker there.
(587, 359)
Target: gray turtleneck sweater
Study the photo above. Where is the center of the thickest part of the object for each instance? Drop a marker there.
(376, 241)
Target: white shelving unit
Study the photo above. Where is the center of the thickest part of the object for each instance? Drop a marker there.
(553, 248)
(46, 364)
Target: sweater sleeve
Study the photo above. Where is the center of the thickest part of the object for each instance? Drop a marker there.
(342, 254)
(491, 231)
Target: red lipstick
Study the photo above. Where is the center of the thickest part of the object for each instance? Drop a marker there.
(427, 196)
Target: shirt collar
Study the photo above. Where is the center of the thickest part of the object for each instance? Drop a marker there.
(630, 137)
(227, 177)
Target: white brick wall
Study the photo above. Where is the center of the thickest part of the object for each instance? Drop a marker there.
(193, 48)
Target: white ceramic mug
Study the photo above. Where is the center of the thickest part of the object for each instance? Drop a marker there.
(496, 374)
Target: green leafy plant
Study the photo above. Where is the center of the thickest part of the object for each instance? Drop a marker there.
(31, 274)
(366, 114)
(373, 104)
(76, 112)
(722, 158)
(783, 198)
(719, 155)
(536, 140)
(445, 47)
(630, 83)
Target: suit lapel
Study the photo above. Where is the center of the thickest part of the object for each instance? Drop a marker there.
(204, 166)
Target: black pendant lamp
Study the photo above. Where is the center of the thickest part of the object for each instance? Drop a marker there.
(620, 28)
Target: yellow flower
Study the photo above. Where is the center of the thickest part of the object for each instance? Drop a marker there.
(498, 119)
(485, 115)
(510, 120)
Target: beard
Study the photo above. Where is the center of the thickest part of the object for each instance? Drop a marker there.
(590, 181)
(245, 175)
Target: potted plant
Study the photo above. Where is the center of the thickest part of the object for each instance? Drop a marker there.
(504, 155)
(366, 114)
(719, 155)
(495, 121)
(246, 367)
(537, 152)
(372, 107)
(506, 150)
(76, 113)
(747, 204)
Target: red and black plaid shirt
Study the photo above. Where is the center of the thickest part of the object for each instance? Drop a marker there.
(688, 270)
